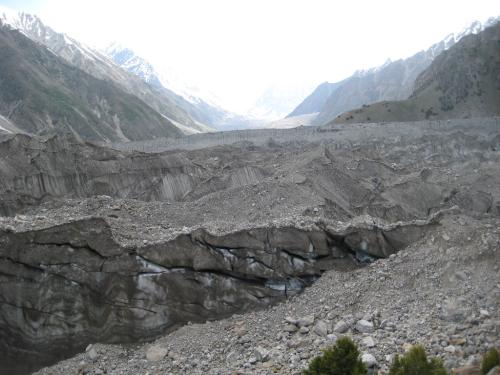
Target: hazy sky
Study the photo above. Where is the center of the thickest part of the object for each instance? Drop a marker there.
(237, 48)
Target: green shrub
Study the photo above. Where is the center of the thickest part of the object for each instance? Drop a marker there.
(490, 360)
(415, 363)
(340, 359)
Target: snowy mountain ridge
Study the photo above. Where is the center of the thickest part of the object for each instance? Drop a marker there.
(33, 27)
(159, 76)
(98, 64)
(443, 45)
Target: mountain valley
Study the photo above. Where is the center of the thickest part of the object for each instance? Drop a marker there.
(147, 229)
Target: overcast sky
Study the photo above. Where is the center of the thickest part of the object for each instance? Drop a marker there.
(237, 48)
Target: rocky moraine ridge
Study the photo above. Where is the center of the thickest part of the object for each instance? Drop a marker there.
(390, 231)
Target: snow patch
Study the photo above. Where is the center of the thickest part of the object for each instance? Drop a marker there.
(5, 130)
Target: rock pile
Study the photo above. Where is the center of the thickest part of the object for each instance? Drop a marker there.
(399, 220)
(443, 294)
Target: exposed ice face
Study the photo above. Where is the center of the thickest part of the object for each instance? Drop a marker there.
(363, 245)
(5, 130)
(288, 285)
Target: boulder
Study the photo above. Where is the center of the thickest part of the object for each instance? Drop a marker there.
(369, 360)
(321, 328)
(306, 321)
(290, 328)
(261, 354)
(364, 326)
(368, 341)
(156, 353)
(341, 327)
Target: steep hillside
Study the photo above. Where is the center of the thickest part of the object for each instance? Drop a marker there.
(40, 93)
(315, 102)
(462, 82)
(391, 81)
(101, 66)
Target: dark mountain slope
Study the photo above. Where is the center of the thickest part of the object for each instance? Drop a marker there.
(102, 67)
(40, 93)
(392, 81)
(462, 82)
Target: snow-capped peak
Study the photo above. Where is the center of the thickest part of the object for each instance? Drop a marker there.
(28, 24)
(33, 27)
(163, 76)
(364, 72)
(474, 28)
(8, 16)
(114, 47)
(491, 21)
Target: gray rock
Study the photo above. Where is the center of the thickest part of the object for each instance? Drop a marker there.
(450, 349)
(290, 328)
(304, 330)
(92, 353)
(364, 326)
(369, 360)
(261, 354)
(453, 311)
(82, 365)
(306, 321)
(368, 341)
(341, 327)
(331, 337)
(484, 313)
(305, 355)
(321, 328)
(156, 353)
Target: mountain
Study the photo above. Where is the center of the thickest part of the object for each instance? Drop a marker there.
(127, 59)
(99, 65)
(41, 93)
(462, 82)
(315, 102)
(278, 100)
(187, 107)
(166, 77)
(204, 110)
(394, 80)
